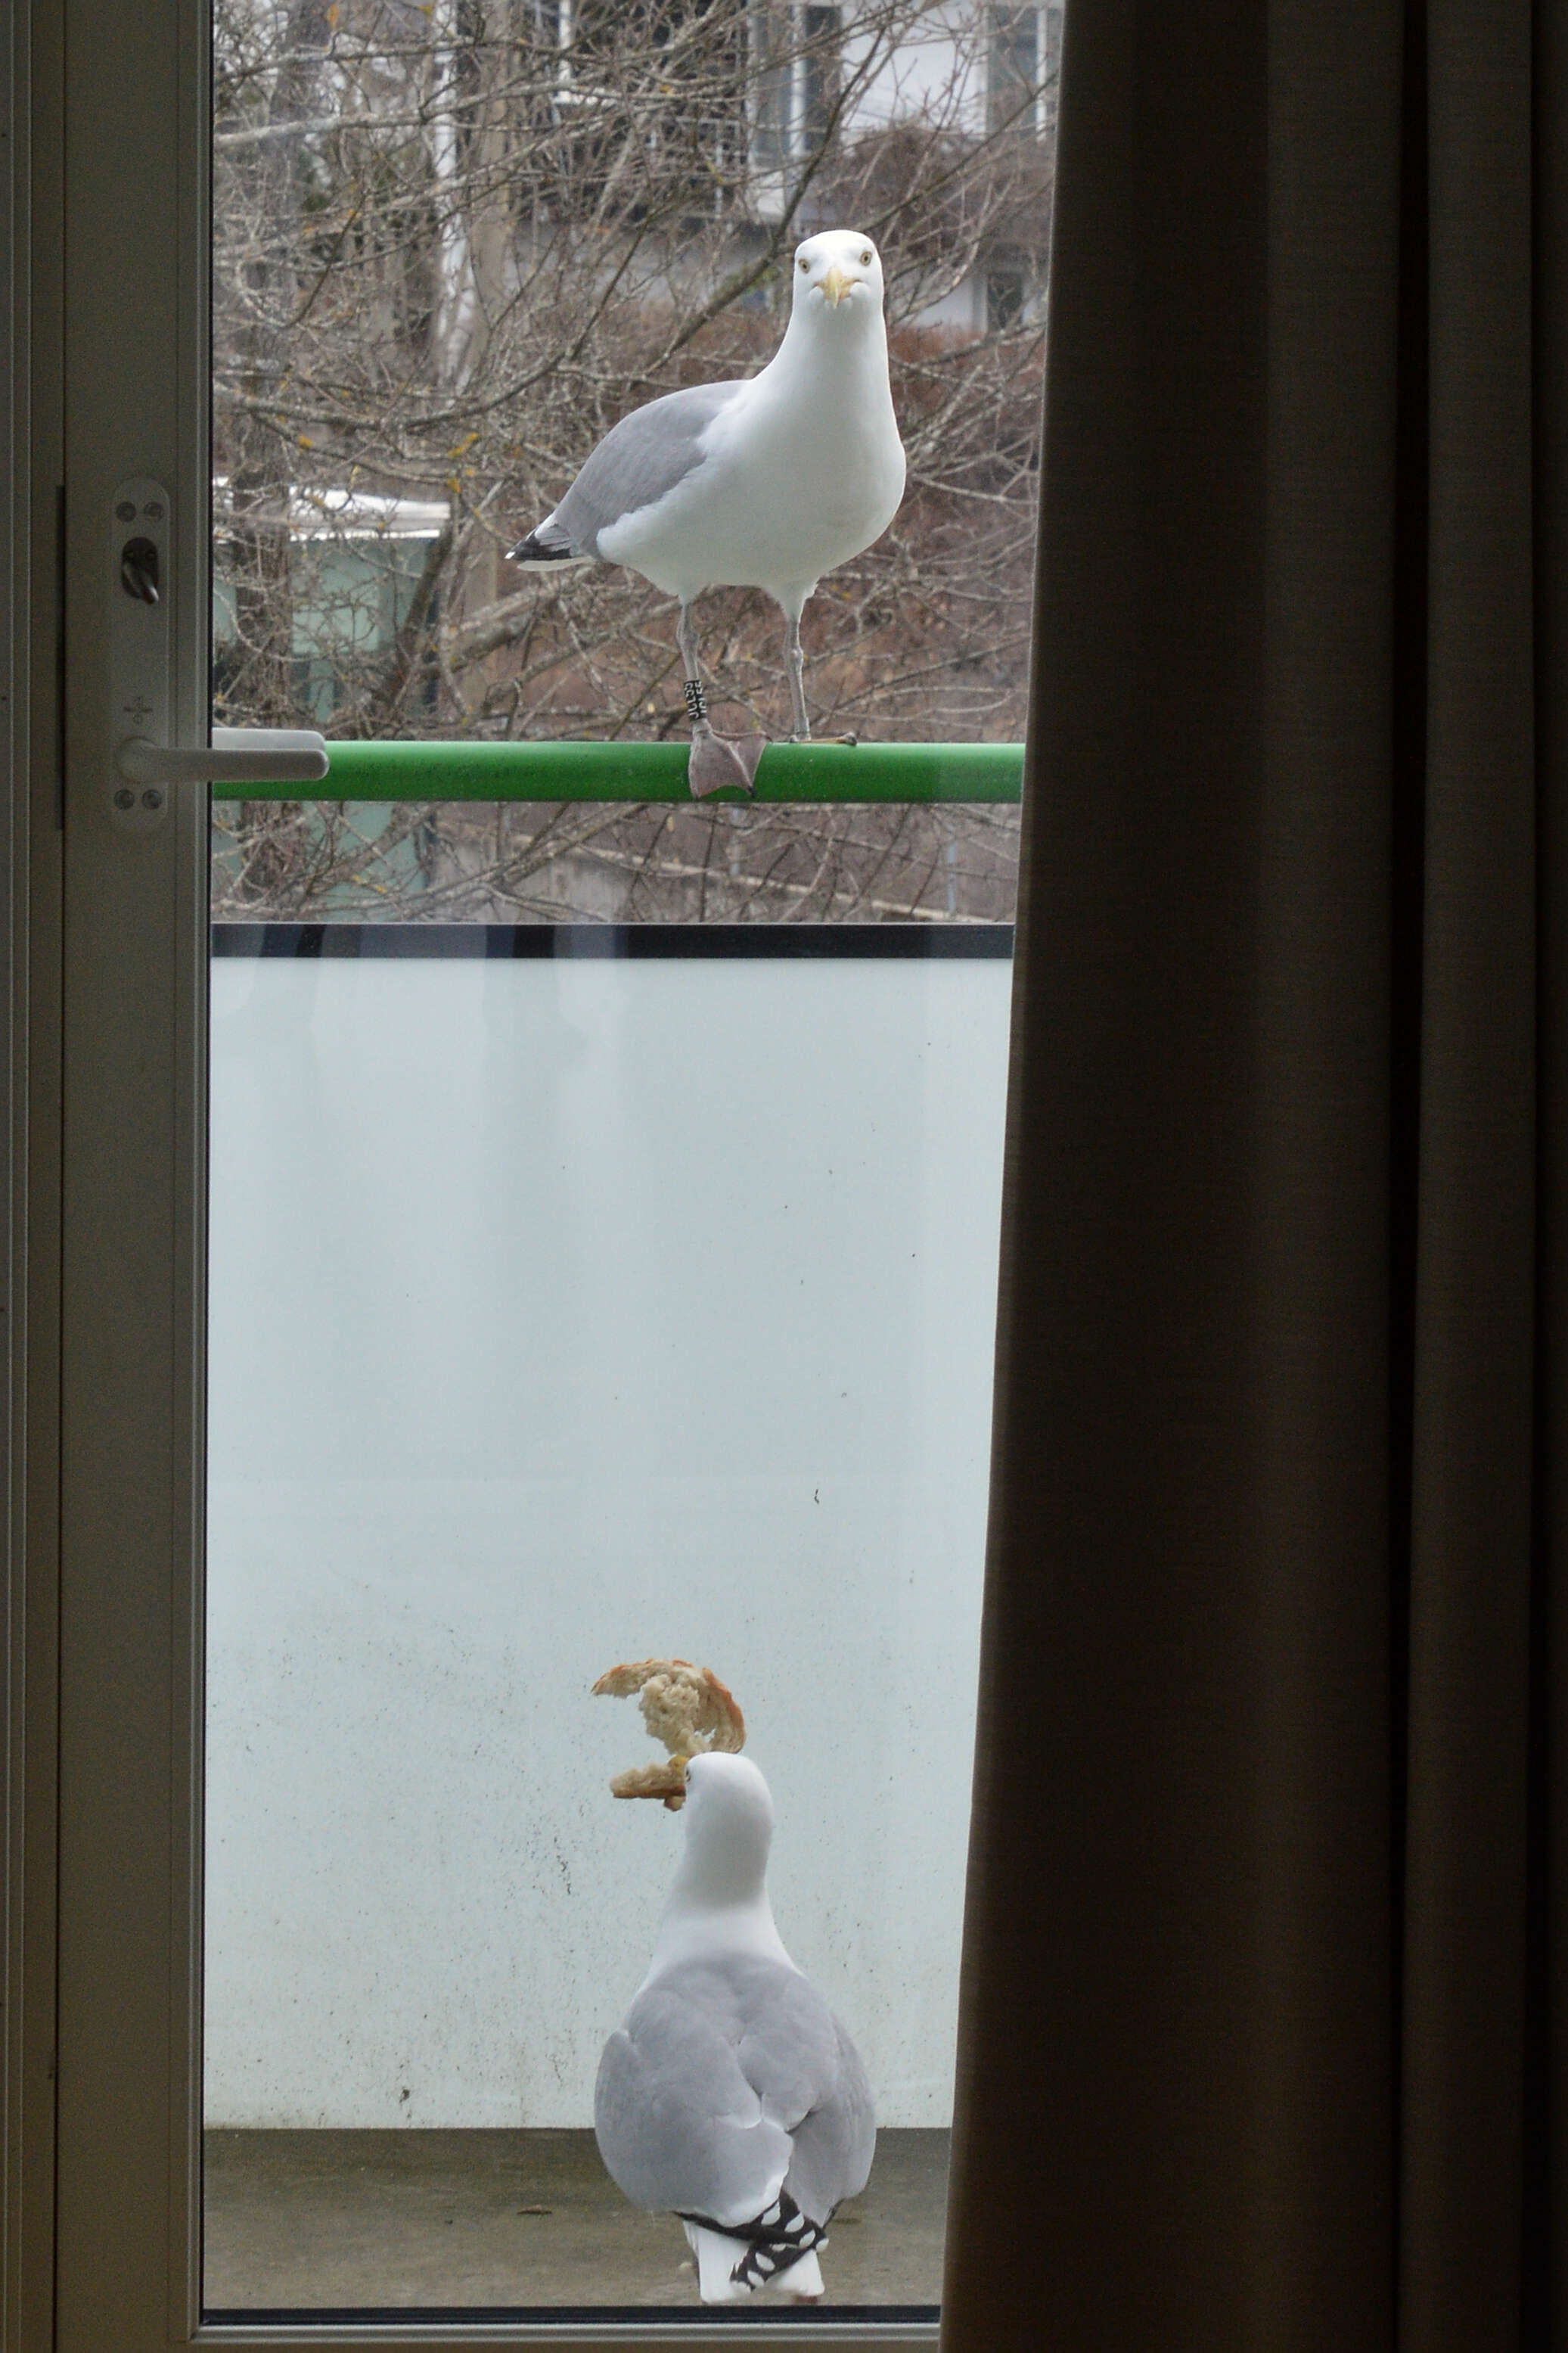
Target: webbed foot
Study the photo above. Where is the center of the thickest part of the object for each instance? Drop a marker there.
(718, 762)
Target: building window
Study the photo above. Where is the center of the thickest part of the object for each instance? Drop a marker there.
(1024, 63)
(1003, 298)
(793, 80)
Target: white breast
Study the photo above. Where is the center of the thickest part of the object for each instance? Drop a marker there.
(796, 477)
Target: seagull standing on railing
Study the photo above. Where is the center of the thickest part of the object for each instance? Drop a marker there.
(764, 483)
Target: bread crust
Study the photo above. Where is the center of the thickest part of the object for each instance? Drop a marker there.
(686, 1707)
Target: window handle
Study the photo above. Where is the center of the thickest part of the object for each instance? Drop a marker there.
(144, 769)
(237, 755)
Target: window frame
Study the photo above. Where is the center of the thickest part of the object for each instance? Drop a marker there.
(107, 1170)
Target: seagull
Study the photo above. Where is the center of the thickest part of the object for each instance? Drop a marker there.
(765, 482)
(732, 2096)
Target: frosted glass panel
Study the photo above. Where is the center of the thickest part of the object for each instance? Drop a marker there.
(567, 1311)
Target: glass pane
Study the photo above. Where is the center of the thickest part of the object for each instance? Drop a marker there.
(454, 245)
(604, 1183)
(568, 1310)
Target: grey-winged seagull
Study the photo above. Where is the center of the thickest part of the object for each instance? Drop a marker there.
(732, 2096)
(763, 483)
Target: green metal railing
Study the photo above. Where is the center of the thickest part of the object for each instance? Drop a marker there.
(798, 773)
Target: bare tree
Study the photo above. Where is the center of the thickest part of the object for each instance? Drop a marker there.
(456, 242)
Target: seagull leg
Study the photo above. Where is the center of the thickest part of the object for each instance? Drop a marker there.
(797, 673)
(803, 734)
(716, 761)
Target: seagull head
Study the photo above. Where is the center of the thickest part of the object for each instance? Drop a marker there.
(839, 271)
(729, 1825)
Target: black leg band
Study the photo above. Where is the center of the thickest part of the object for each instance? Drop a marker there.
(696, 701)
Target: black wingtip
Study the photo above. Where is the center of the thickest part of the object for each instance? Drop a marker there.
(534, 550)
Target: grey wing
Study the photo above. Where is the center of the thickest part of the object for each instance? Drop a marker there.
(680, 2130)
(729, 2081)
(834, 2143)
(646, 454)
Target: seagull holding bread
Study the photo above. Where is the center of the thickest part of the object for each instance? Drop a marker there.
(767, 482)
(732, 2096)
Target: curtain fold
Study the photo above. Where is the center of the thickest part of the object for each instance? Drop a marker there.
(1256, 2041)
(1474, 1214)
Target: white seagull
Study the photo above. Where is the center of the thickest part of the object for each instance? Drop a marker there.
(767, 482)
(732, 2096)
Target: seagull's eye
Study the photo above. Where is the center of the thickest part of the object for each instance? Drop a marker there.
(866, 258)
(805, 264)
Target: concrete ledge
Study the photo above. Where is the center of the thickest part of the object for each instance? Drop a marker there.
(329, 2220)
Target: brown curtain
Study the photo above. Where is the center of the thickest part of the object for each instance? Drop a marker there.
(1260, 2046)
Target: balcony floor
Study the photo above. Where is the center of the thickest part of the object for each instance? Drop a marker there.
(334, 2220)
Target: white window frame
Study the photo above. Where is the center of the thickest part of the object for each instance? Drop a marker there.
(1048, 16)
(104, 996)
(781, 21)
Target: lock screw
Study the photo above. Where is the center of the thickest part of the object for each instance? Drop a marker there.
(153, 798)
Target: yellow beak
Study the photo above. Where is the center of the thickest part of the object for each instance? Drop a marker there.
(835, 283)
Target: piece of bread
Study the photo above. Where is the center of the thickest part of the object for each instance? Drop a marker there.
(666, 1780)
(686, 1708)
